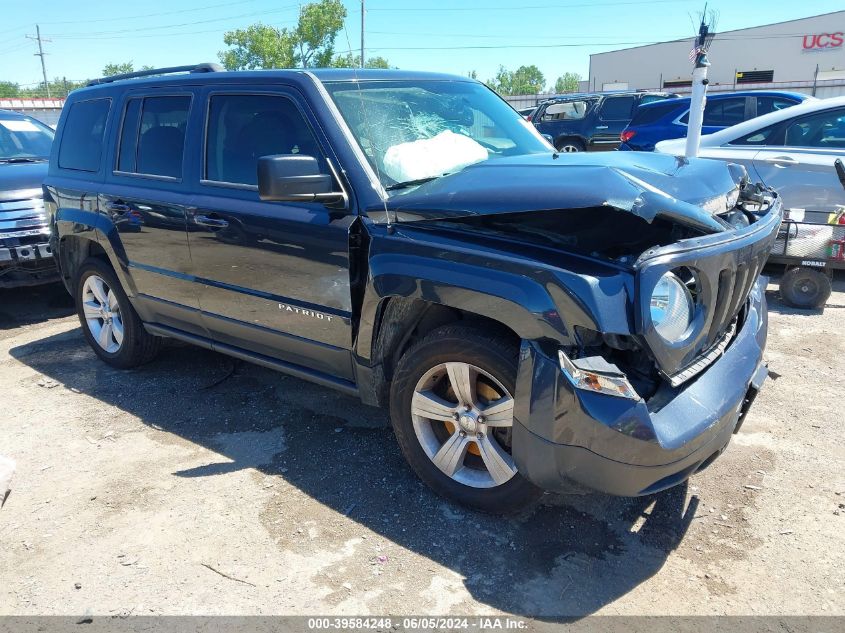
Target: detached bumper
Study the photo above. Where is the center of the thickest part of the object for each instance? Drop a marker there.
(627, 448)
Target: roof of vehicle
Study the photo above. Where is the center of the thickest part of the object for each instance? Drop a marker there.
(295, 74)
(718, 96)
(606, 93)
(747, 127)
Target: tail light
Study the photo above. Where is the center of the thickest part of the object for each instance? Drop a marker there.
(627, 135)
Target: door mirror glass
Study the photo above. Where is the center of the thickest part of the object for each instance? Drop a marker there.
(293, 177)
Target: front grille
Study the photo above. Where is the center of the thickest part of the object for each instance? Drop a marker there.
(725, 267)
(18, 218)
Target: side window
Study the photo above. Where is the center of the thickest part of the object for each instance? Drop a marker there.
(724, 112)
(243, 128)
(82, 135)
(651, 98)
(152, 138)
(617, 108)
(766, 136)
(565, 111)
(765, 105)
(825, 130)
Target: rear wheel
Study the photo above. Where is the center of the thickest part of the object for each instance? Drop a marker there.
(109, 322)
(452, 413)
(805, 288)
(569, 145)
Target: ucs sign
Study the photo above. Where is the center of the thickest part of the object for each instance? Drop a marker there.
(823, 41)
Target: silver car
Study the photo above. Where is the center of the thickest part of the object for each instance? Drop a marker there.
(791, 150)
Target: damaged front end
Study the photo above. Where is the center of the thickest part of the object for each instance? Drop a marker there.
(635, 403)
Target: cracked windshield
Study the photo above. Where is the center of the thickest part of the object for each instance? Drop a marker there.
(413, 132)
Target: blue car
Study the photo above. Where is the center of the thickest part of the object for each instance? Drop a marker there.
(663, 120)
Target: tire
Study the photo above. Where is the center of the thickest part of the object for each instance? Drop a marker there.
(569, 146)
(805, 288)
(424, 381)
(102, 306)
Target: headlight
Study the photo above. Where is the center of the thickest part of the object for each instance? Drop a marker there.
(671, 307)
(715, 205)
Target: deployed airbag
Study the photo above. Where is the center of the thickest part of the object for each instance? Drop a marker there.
(425, 158)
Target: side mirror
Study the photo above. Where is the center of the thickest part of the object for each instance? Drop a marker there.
(293, 178)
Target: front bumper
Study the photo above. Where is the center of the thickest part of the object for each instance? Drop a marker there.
(27, 265)
(632, 448)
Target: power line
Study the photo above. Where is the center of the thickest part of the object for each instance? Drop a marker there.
(524, 7)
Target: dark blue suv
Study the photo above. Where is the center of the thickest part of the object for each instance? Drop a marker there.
(659, 121)
(407, 239)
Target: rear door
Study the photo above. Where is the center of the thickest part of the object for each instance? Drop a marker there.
(800, 166)
(614, 114)
(146, 195)
(272, 277)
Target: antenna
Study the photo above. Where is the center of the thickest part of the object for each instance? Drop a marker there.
(698, 98)
(41, 54)
(362, 34)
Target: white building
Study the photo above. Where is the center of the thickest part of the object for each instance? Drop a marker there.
(799, 55)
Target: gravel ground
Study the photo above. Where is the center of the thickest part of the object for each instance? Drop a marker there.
(199, 485)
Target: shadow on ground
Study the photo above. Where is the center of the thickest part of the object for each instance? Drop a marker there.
(35, 304)
(568, 557)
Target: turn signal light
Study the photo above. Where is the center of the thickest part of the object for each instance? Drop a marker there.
(627, 135)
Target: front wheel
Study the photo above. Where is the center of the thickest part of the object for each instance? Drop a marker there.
(569, 146)
(452, 413)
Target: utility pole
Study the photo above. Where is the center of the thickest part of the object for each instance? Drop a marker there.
(40, 54)
(362, 33)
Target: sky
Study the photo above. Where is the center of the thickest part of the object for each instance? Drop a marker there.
(455, 36)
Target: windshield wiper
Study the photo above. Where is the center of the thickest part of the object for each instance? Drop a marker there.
(411, 183)
(22, 160)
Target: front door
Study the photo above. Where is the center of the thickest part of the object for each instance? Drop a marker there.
(272, 277)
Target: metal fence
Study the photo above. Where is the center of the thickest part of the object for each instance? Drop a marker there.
(45, 110)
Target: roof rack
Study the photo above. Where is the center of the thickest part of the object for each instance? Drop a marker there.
(196, 68)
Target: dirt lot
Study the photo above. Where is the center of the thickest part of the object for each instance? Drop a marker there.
(199, 485)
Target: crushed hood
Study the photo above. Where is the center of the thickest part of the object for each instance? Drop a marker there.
(645, 184)
(19, 181)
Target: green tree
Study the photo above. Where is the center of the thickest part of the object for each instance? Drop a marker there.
(568, 82)
(354, 61)
(118, 69)
(319, 24)
(310, 44)
(59, 88)
(9, 89)
(524, 80)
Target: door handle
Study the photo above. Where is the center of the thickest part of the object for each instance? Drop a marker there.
(117, 207)
(601, 127)
(781, 160)
(215, 223)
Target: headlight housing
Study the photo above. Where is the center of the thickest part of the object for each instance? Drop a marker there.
(671, 307)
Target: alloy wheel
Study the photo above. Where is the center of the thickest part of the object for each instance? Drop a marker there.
(102, 314)
(463, 419)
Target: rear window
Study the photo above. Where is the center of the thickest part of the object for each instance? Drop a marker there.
(82, 135)
(152, 137)
(645, 116)
(765, 105)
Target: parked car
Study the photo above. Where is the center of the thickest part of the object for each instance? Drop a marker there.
(527, 112)
(26, 257)
(406, 239)
(590, 121)
(791, 150)
(660, 121)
